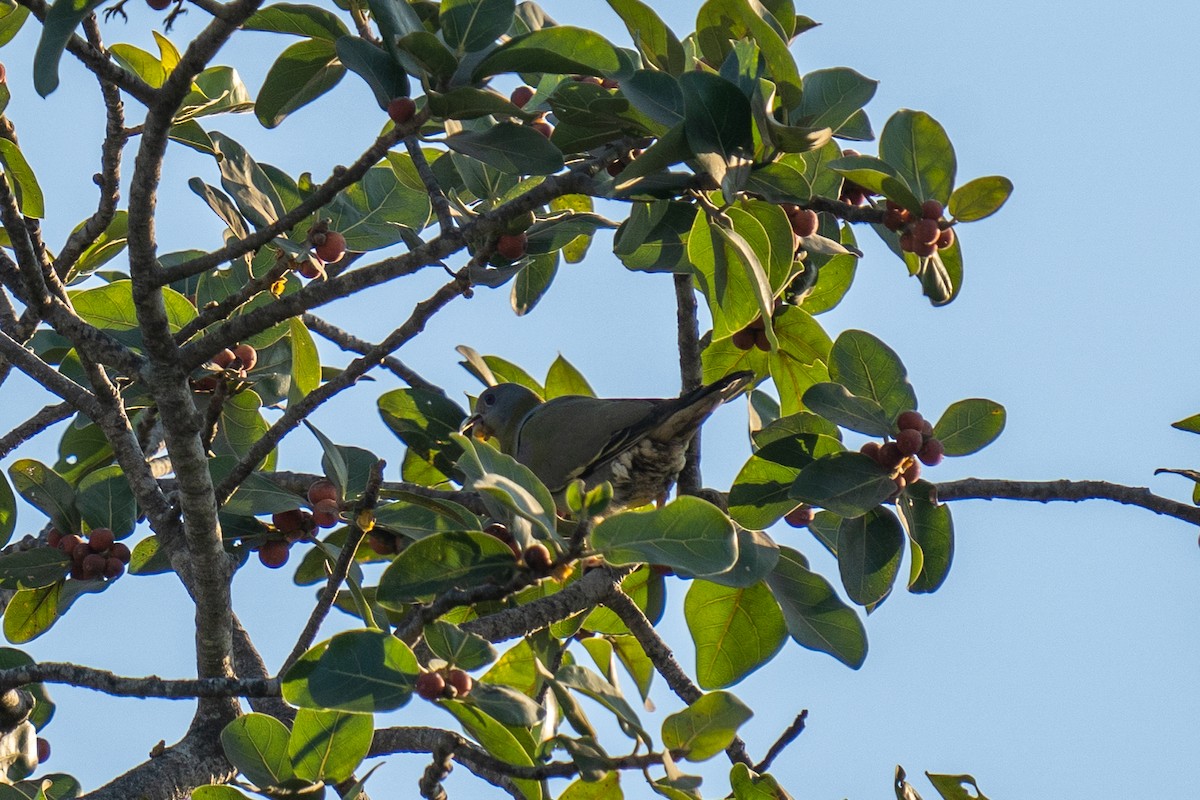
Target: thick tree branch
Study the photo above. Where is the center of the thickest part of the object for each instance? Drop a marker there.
(691, 372)
(123, 686)
(1067, 491)
(49, 378)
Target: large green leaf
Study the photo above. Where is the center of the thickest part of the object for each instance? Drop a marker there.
(443, 562)
(880, 177)
(376, 211)
(111, 307)
(31, 569)
(653, 39)
(917, 146)
(834, 402)
(257, 745)
(62, 18)
(423, 420)
(969, 426)
(654, 237)
(735, 630)
(510, 148)
(363, 671)
(760, 494)
(105, 500)
(706, 727)
(256, 196)
(45, 490)
(831, 96)
(954, 787)
(720, 23)
(498, 740)
(869, 548)
(869, 368)
(533, 281)
(469, 26)
(816, 617)
(688, 533)
(31, 612)
(297, 19)
(302, 73)
(930, 534)
(328, 745)
(979, 198)
(716, 119)
(8, 511)
(21, 179)
(561, 49)
(848, 484)
(503, 479)
(386, 79)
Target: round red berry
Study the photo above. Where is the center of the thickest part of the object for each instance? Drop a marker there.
(932, 453)
(274, 554)
(322, 489)
(800, 516)
(460, 681)
(332, 249)
(521, 96)
(430, 685)
(401, 110)
(512, 245)
(910, 420)
(909, 441)
(931, 209)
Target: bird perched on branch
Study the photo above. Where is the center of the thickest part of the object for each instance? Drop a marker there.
(639, 445)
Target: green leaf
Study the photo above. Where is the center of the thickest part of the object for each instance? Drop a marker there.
(592, 685)
(760, 494)
(31, 612)
(869, 368)
(607, 788)
(329, 745)
(45, 490)
(561, 49)
(111, 307)
(422, 52)
(8, 511)
(149, 559)
(969, 425)
(792, 425)
(979, 198)
(457, 647)
(749, 785)
(257, 745)
(833, 278)
(247, 183)
(503, 479)
(848, 484)
(735, 630)
(442, 562)
(953, 787)
(655, 236)
(299, 20)
(931, 535)
(363, 671)
(880, 177)
(107, 247)
(105, 500)
(62, 18)
(816, 617)
(506, 705)
(832, 96)
(302, 73)
(22, 180)
(688, 533)
(800, 359)
(469, 26)
(258, 495)
(716, 116)
(386, 79)
(653, 39)
(706, 727)
(423, 420)
(719, 23)
(32, 569)
(12, 19)
(532, 282)
(467, 102)
(835, 403)
(917, 146)
(498, 741)
(216, 792)
(377, 211)
(564, 379)
(869, 548)
(510, 148)
(240, 427)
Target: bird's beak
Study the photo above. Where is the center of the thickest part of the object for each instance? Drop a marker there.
(474, 427)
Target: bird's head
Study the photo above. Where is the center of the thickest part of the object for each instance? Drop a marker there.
(499, 412)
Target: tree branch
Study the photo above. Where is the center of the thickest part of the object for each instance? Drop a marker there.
(785, 739)
(1066, 491)
(353, 344)
(122, 686)
(691, 372)
(437, 198)
(39, 422)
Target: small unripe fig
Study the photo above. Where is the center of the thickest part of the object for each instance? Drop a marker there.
(870, 450)
(512, 245)
(804, 222)
(322, 489)
(68, 542)
(460, 681)
(288, 521)
(743, 339)
(93, 565)
(382, 544)
(924, 250)
(100, 539)
(932, 453)
(926, 231)
(246, 354)
(43, 750)
(913, 472)
(945, 238)
(890, 455)
(274, 554)
(430, 685)
(113, 568)
(909, 441)
(520, 96)
(906, 242)
(910, 420)
(53, 537)
(800, 516)
(158, 5)
(761, 341)
(401, 109)
(81, 552)
(311, 269)
(537, 557)
(121, 551)
(931, 209)
(542, 127)
(332, 249)
(326, 513)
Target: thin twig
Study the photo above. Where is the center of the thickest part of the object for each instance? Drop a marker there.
(39, 422)
(785, 739)
(690, 372)
(437, 198)
(353, 344)
(1066, 491)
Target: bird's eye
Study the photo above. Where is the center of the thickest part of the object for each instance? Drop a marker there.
(489, 399)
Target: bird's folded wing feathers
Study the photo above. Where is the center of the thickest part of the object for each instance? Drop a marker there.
(566, 436)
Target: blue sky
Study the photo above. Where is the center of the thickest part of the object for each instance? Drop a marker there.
(1061, 657)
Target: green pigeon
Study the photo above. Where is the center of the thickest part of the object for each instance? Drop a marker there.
(638, 445)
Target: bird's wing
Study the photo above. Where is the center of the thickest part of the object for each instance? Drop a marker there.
(563, 438)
